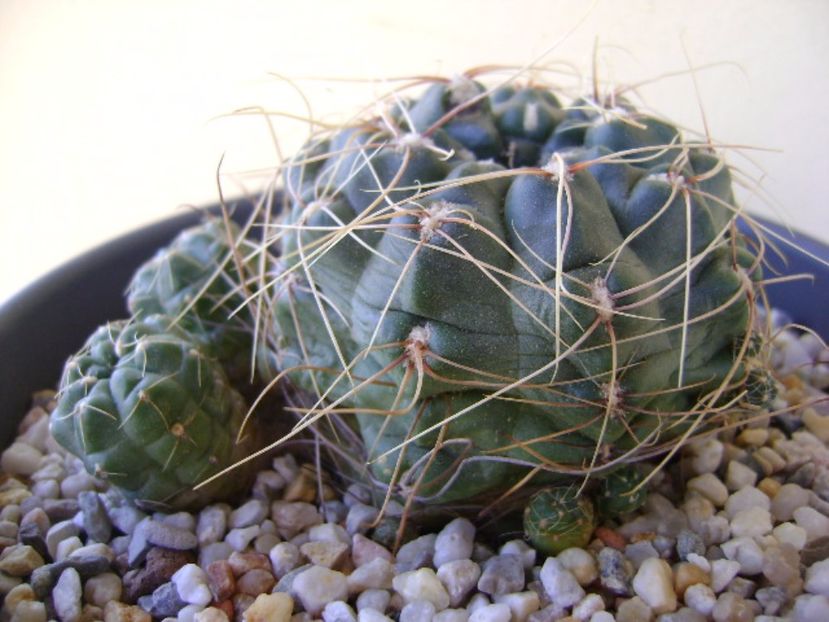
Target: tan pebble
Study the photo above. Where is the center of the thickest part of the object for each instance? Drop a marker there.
(710, 487)
(328, 493)
(35, 611)
(634, 610)
(816, 424)
(211, 614)
(255, 582)
(769, 486)
(752, 437)
(119, 612)
(20, 560)
(242, 562)
(772, 458)
(270, 608)
(16, 595)
(326, 554)
(89, 613)
(611, 538)
(687, 574)
(303, 487)
(15, 496)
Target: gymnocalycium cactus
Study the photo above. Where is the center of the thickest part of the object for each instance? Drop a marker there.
(500, 293)
(145, 408)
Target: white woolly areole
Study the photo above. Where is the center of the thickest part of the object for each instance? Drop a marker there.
(413, 139)
(531, 120)
(417, 343)
(602, 299)
(614, 395)
(557, 167)
(435, 215)
(672, 179)
(462, 89)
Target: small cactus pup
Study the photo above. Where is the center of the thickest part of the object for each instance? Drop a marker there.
(559, 518)
(146, 409)
(202, 279)
(501, 292)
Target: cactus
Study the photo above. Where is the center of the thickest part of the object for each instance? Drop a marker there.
(196, 280)
(500, 293)
(147, 410)
(559, 518)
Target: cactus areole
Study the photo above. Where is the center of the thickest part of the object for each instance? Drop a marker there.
(498, 292)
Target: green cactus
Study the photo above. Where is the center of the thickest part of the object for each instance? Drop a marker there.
(559, 518)
(501, 293)
(620, 493)
(196, 280)
(146, 409)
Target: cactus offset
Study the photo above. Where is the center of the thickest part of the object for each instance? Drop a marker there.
(499, 293)
(146, 409)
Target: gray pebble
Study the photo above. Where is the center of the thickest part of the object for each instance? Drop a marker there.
(66, 595)
(502, 574)
(772, 599)
(359, 518)
(169, 536)
(614, 574)
(58, 509)
(688, 542)
(373, 598)
(638, 552)
(251, 513)
(182, 520)
(215, 551)
(165, 601)
(139, 545)
(46, 489)
(286, 583)
(417, 553)
(334, 511)
(96, 523)
(455, 541)
(212, 524)
(124, 516)
(59, 532)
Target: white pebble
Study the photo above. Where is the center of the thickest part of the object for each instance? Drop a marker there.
(417, 611)
(653, 583)
(102, 588)
(191, 585)
(455, 541)
(373, 599)
(372, 615)
(722, 572)
(318, 586)
(329, 532)
(710, 487)
(811, 608)
(65, 547)
(188, 613)
(817, 578)
(212, 524)
(815, 523)
(240, 538)
(700, 597)
(560, 584)
(451, 615)
(521, 604)
(588, 605)
(787, 500)
(581, 563)
(459, 577)
(522, 550)
(746, 552)
(491, 613)
(706, 455)
(66, 595)
(745, 498)
(751, 522)
(376, 574)
(20, 459)
(421, 584)
(338, 611)
(602, 616)
(739, 476)
(790, 533)
(73, 485)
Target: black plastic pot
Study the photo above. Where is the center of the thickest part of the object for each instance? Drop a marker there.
(50, 319)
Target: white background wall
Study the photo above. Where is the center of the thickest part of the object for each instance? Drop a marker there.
(111, 110)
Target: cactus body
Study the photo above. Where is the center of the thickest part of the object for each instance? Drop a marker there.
(559, 518)
(146, 409)
(498, 291)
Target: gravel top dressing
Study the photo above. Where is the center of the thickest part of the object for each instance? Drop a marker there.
(736, 528)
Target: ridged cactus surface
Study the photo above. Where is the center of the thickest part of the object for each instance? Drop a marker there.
(146, 409)
(497, 290)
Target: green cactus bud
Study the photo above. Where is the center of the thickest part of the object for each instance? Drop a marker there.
(147, 410)
(618, 493)
(559, 518)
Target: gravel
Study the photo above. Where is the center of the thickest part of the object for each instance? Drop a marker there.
(736, 528)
